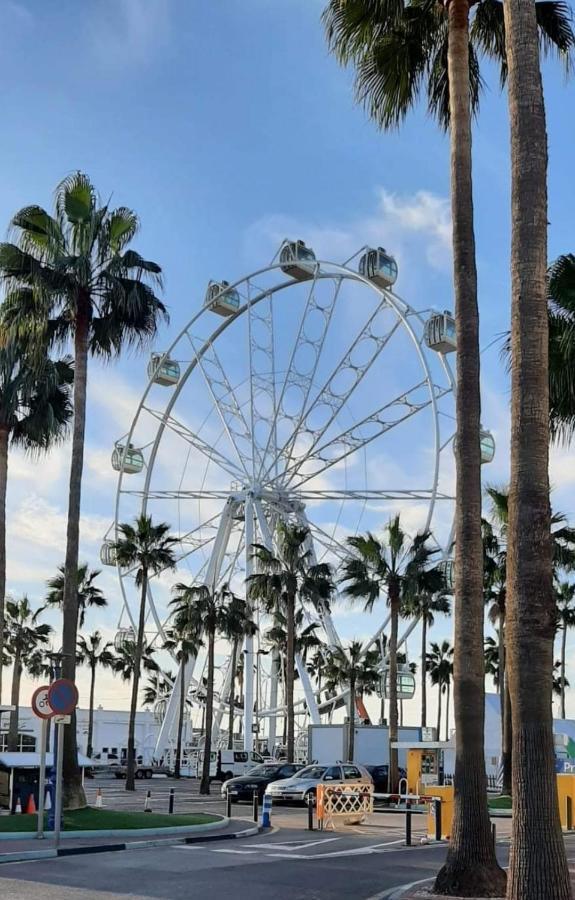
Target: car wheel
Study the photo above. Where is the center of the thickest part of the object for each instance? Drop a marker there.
(310, 798)
(139, 773)
(148, 773)
(227, 776)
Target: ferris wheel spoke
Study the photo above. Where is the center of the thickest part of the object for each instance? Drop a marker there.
(209, 451)
(329, 395)
(348, 442)
(294, 376)
(225, 400)
(261, 358)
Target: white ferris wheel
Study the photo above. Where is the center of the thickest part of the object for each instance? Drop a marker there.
(307, 391)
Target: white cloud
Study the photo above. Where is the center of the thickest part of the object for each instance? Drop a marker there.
(408, 224)
(130, 31)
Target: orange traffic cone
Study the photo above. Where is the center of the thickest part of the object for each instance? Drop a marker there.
(31, 805)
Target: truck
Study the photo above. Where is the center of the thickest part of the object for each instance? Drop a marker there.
(142, 771)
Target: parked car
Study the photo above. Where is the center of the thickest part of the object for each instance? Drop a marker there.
(302, 786)
(243, 788)
(225, 764)
(379, 775)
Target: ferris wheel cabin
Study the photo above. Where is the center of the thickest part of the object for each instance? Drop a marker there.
(222, 299)
(487, 446)
(447, 568)
(379, 266)
(108, 554)
(163, 370)
(128, 460)
(124, 636)
(440, 332)
(297, 260)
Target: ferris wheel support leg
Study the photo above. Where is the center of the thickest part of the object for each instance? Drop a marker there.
(170, 719)
(308, 691)
(227, 698)
(249, 641)
(274, 681)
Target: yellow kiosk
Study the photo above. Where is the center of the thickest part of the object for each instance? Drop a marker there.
(424, 772)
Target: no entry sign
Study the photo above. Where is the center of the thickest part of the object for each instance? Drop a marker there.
(63, 697)
(40, 703)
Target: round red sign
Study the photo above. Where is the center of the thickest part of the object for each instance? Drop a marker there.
(40, 703)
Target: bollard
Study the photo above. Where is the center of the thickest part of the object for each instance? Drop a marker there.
(99, 801)
(148, 802)
(569, 816)
(256, 811)
(266, 811)
(494, 834)
(437, 805)
(171, 802)
(228, 805)
(310, 814)
(408, 815)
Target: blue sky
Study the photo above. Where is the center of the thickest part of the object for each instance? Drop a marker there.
(226, 125)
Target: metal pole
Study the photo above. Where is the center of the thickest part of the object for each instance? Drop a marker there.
(171, 802)
(569, 802)
(42, 783)
(310, 816)
(256, 812)
(408, 815)
(228, 805)
(494, 834)
(58, 805)
(437, 804)
(249, 640)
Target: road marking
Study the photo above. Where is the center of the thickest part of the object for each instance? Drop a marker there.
(390, 893)
(298, 845)
(240, 852)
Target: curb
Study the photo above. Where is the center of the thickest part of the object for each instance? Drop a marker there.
(123, 832)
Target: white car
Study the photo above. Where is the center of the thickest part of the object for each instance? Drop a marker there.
(302, 787)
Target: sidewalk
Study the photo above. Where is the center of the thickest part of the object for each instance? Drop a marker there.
(32, 848)
(424, 892)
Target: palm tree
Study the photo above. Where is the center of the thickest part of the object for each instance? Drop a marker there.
(149, 550)
(201, 612)
(125, 657)
(34, 414)
(23, 638)
(423, 607)
(530, 600)
(281, 581)
(238, 623)
(559, 680)
(158, 689)
(93, 651)
(399, 50)
(89, 594)
(561, 304)
(183, 646)
(71, 278)
(401, 570)
(356, 670)
(491, 651)
(439, 664)
(564, 596)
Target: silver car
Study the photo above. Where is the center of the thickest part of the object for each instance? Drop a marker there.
(302, 787)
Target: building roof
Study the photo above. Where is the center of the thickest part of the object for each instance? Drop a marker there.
(32, 760)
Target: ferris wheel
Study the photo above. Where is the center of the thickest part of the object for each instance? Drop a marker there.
(307, 391)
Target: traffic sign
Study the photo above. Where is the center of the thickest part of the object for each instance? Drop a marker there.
(63, 696)
(62, 720)
(40, 703)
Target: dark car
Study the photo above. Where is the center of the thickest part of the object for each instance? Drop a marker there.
(243, 787)
(379, 776)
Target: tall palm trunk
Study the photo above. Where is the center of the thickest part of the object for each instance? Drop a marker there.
(501, 667)
(393, 711)
(351, 732)
(181, 710)
(91, 709)
(14, 701)
(439, 686)
(538, 865)
(131, 761)
(234, 664)
(4, 436)
(507, 752)
(423, 671)
(471, 867)
(563, 654)
(74, 796)
(290, 654)
(205, 783)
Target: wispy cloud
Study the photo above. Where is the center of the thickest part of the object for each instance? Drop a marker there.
(124, 32)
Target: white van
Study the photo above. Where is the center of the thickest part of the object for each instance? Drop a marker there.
(229, 763)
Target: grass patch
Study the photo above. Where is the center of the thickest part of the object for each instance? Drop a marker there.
(90, 819)
(501, 802)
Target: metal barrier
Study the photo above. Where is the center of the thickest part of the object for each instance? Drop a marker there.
(347, 803)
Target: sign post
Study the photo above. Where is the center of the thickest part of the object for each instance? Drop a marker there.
(58, 805)
(41, 708)
(63, 699)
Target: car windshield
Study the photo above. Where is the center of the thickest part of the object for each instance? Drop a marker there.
(264, 770)
(311, 772)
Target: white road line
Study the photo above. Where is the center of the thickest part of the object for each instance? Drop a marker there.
(390, 893)
(240, 852)
(297, 845)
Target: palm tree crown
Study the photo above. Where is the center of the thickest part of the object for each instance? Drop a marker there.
(89, 594)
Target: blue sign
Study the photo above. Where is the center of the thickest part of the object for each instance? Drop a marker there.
(63, 696)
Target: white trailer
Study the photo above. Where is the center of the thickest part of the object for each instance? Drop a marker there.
(328, 743)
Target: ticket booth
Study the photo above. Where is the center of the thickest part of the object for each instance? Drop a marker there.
(424, 763)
